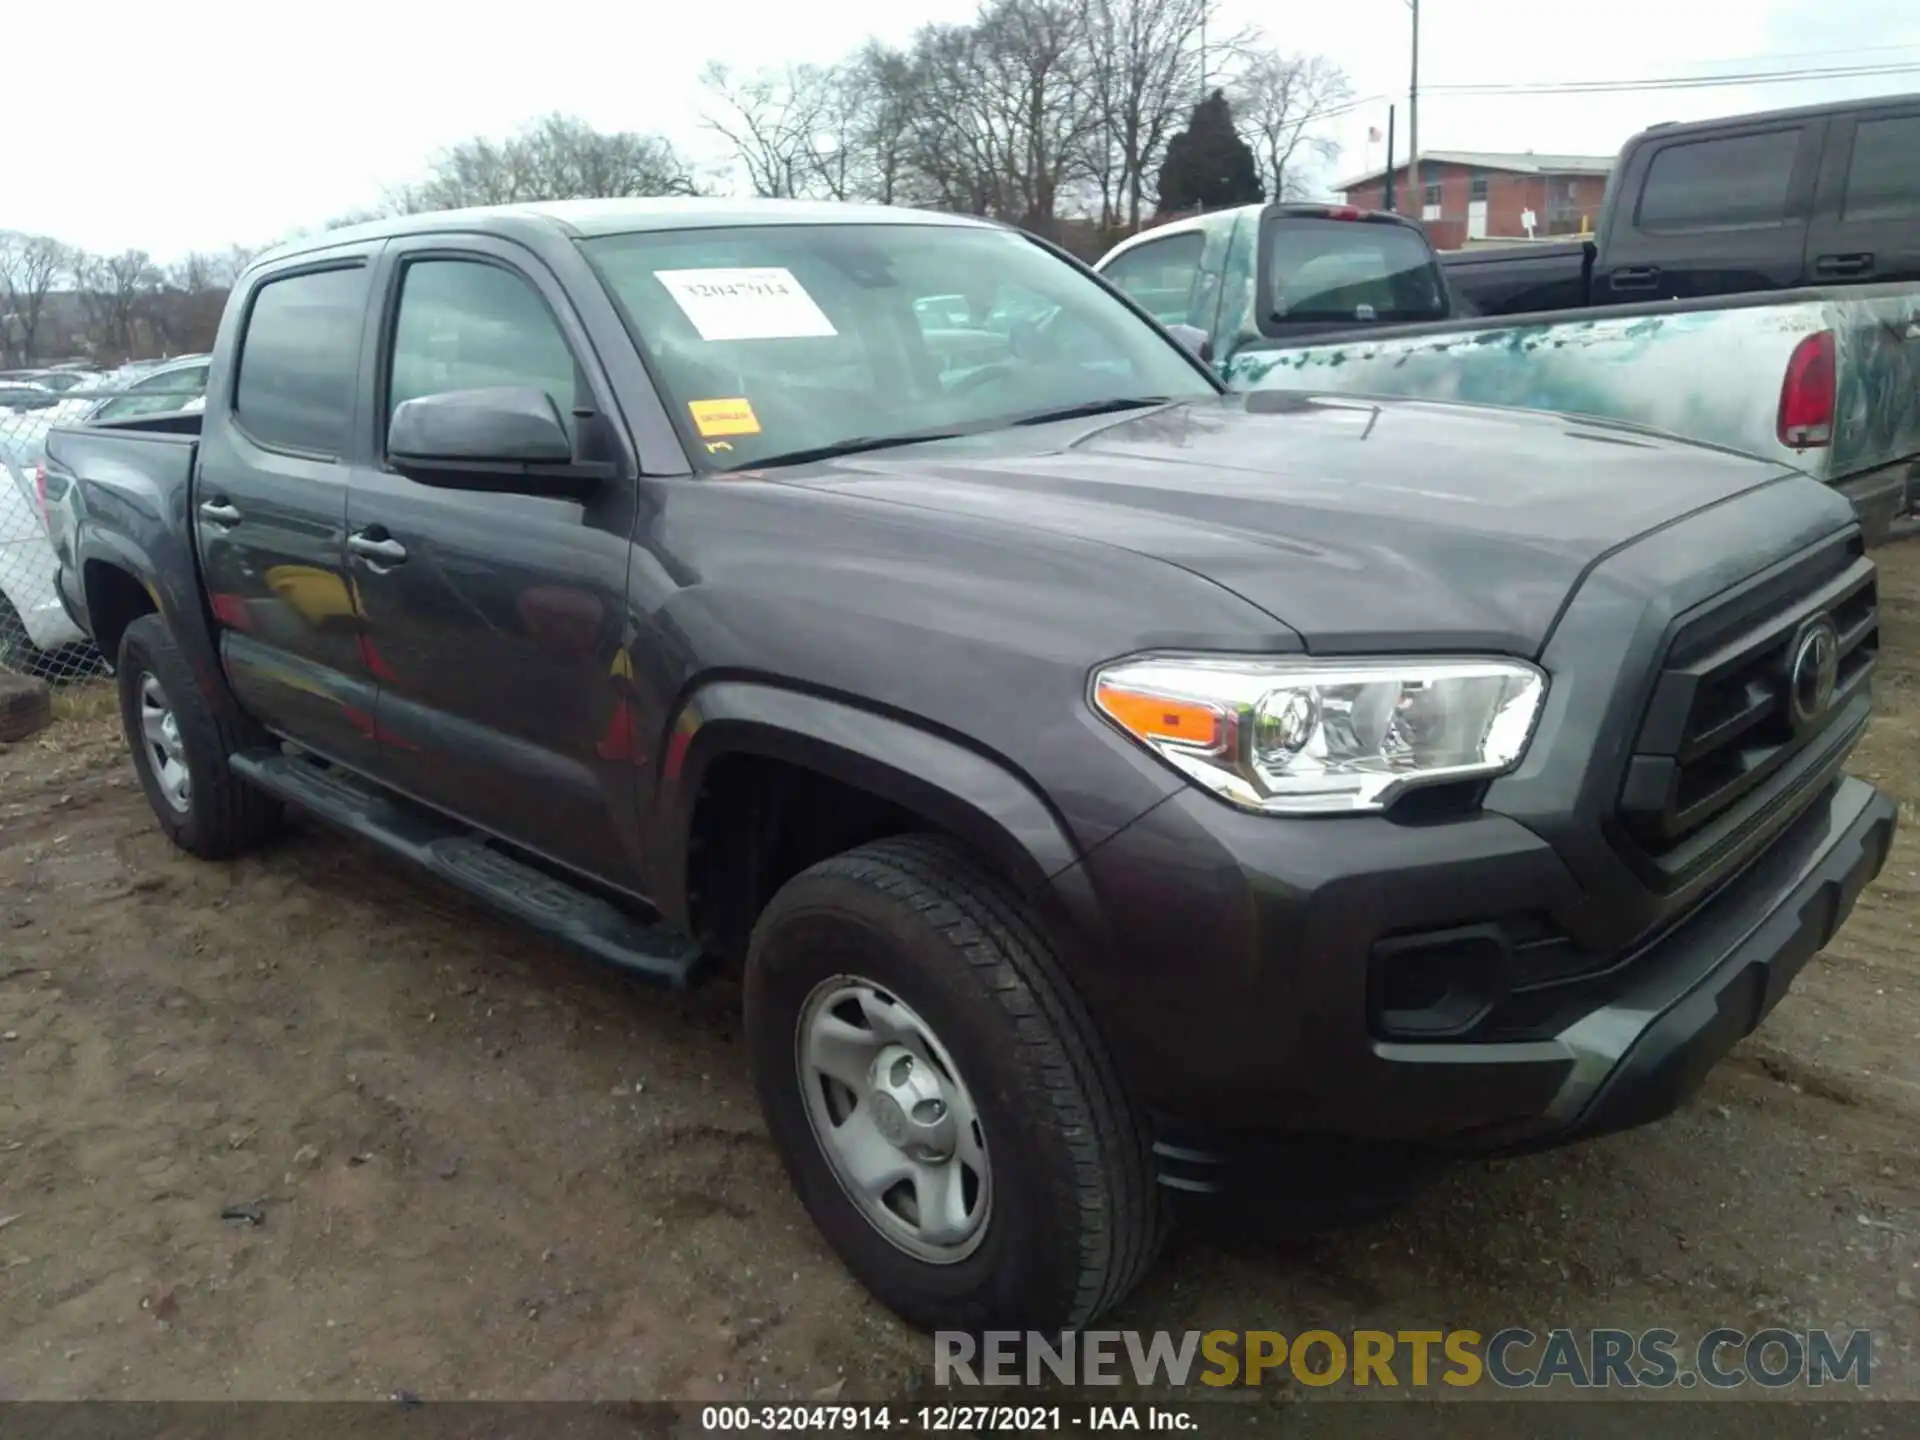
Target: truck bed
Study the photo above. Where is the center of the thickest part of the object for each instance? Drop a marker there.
(1520, 279)
(1704, 370)
(137, 477)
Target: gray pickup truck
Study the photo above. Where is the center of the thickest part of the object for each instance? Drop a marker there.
(1098, 778)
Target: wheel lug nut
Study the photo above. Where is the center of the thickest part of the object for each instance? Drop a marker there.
(901, 1070)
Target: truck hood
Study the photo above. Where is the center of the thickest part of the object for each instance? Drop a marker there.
(1363, 525)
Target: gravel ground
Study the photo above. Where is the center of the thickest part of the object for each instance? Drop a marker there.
(478, 1167)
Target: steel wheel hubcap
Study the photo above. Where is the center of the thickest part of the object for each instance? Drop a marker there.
(160, 731)
(894, 1119)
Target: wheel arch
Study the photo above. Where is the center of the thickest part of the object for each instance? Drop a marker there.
(922, 779)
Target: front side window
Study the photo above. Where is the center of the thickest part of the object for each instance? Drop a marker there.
(778, 339)
(299, 358)
(469, 325)
(1159, 275)
(1703, 184)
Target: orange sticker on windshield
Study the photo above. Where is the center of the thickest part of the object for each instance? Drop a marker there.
(723, 417)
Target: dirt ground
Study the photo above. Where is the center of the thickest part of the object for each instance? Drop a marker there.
(482, 1167)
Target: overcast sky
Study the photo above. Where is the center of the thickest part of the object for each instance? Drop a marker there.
(193, 128)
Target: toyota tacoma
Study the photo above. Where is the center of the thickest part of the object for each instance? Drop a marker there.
(1095, 776)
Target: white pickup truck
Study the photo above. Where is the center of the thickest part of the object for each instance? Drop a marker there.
(1333, 300)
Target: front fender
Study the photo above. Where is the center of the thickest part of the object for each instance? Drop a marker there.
(974, 796)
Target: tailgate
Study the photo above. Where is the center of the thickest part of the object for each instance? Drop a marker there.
(1877, 404)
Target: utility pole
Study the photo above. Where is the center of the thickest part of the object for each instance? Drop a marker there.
(1416, 195)
(1386, 195)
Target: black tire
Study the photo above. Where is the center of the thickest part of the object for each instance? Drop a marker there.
(224, 815)
(1076, 1218)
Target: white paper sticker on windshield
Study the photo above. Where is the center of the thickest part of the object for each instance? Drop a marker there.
(759, 304)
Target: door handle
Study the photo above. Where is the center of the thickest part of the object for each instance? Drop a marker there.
(218, 512)
(1635, 278)
(385, 551)
(1844, 265)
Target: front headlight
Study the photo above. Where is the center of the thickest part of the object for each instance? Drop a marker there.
(1324, 737)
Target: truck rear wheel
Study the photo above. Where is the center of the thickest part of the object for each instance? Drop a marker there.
(939, 1096)
(180, 746)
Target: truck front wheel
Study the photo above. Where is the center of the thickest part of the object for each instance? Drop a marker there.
(180, 747)
(939, 1096)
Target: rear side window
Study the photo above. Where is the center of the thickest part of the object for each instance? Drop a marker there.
(1883, 179)
(1351, 271)
(1159, 275)
(298, 360)
(1705, 184)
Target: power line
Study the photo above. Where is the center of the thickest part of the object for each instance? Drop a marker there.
(1684, 82)
(1622, 87)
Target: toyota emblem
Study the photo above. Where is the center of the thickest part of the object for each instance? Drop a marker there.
(1812, 672)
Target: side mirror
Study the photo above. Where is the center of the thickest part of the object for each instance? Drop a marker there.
(1194, 339)
(506, 438)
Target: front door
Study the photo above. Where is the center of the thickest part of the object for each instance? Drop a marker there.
(496, 621)
(271, 503)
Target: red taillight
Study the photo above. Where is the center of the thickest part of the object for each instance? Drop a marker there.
(1806, 394)
(1343, 212)
(40, 490)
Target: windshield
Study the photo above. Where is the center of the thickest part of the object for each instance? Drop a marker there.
(782, 340)
(1351, 270)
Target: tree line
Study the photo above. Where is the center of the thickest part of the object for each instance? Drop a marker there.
(1038, 112)
(1079, 120)
(59, 302)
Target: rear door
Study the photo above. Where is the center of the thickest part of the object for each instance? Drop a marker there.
(1866, 223)
(1720, 213)
(271, 499)
(496, 621)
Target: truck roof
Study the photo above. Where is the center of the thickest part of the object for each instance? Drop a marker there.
(579, 218)
(1666, 128)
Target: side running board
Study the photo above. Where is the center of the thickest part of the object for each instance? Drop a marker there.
(652, 949)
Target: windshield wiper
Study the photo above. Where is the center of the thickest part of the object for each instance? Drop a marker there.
(859, 444)
(1094, 407)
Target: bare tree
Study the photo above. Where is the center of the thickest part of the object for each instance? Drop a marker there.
(1277, 101)
(557, 157)
(114, 292)
(786, 127)
(1147, 70)
(997, 113)
(29, 266)
(183, 306)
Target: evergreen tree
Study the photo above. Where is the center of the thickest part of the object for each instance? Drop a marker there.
(1208, 165)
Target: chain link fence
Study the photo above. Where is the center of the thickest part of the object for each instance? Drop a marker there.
(37, 637)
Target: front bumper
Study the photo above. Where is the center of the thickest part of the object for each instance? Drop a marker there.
(1642, 1054)
(1261, 1029)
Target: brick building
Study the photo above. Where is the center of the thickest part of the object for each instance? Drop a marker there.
(1468, 196)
